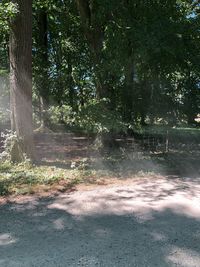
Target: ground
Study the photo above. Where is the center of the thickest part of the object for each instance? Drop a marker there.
(146, 223)
(65, 160)
(82, 208)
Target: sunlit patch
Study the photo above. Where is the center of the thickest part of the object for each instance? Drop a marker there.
(184, 257)
(21, 207)
(22, 203)
(101, 232)
(158, 236)
(39, 214)
(143, 216)
(59, 224)
(197, 235)
(6, 239)
(139, 198)
(79, 218)
(87, 261)
(181, 204)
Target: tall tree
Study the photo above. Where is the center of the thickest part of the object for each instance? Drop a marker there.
(42, 68)
(94, 20)
(21, 79)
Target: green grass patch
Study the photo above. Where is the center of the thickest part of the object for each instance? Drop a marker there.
(29, 179)
(25, 178)
(176, 134)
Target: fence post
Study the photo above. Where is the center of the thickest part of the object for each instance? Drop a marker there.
(167, 142)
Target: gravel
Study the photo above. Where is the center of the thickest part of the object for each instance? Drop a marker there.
(144, 222)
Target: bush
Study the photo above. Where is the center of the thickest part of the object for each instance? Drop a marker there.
(96, 117)
(11, 148)
(61, 114)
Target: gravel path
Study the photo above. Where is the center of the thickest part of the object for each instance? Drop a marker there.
(141, 223)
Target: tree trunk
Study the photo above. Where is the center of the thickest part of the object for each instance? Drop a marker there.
(94, 34)
(43, 59)
(94, 31)
(72, 94)
(21, 77)
(128, 90)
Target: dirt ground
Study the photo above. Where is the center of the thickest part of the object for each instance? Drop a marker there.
(60, 150)
(145, 223)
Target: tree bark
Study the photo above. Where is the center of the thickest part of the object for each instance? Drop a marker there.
(72, 94)
(94, 33)
(94, 30)
(128, 90)
(20, 51)
(43, 59)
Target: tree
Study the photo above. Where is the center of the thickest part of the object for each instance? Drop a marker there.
(20, 52)
(42, 64)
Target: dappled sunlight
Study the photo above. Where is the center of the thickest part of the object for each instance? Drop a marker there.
(133, 224)
(99, 133)
(61, 148)
(158, 236)
(7, 239)
(183, 257)
(139, 196)
(86, 261)
(25, 203)
(67, 149)
(102, 232)
(59, 224)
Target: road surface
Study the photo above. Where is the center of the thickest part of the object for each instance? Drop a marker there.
(145, 222)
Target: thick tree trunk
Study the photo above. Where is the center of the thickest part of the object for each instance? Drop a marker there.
(21, 77)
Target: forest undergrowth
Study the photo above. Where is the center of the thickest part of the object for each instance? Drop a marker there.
(66, 160)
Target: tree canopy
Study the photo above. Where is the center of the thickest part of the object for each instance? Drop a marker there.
(106, 65)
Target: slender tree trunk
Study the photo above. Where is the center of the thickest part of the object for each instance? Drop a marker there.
(43, 57)
(95, 36)
(21, 78)
(42, 109)
(128, 90)
(82, 102)
(72, 93)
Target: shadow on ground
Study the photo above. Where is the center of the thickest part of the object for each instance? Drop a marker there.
(147, 223)
(61, 150)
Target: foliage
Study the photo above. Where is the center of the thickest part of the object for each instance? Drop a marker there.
(96, 117)
(9, 140)
(26, 179)
(110, 66)
(129, 161)
(4, 115)
(63, 114)
(159, 40)
(4, 97)
(8, 10)
(137, 55)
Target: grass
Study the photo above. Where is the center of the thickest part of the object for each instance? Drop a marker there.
(25, 178)
(28, 179)
(127, 163)
(162, 129)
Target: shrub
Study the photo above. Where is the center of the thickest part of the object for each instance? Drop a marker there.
(97, 117)
(11, 148)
